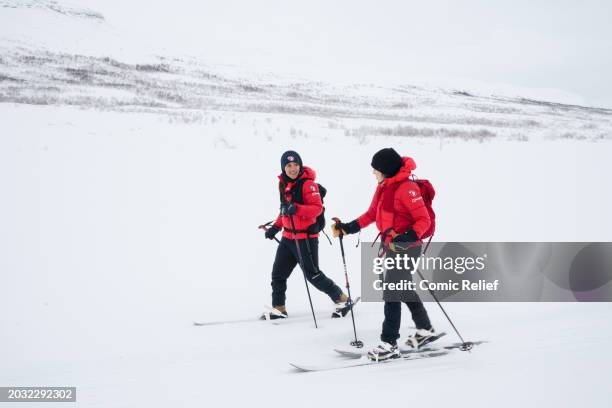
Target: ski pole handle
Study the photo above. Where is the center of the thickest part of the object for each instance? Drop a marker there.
(266, 226)
(336, 230)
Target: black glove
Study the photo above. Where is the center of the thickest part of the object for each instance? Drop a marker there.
(272, 231)
(408, 236)
(288, 209)
(349, 227)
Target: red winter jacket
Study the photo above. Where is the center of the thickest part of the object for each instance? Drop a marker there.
(397, 204)
(307, 212)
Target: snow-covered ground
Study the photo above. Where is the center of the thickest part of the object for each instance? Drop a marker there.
(131, 192)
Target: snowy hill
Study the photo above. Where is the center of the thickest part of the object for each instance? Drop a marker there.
(185, 88)
(87, 63)
(133, 182)
(53, 6)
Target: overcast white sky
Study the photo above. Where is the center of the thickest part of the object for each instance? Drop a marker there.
(547, 44)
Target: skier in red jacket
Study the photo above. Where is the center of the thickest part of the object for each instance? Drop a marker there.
(401, 218)
(301, 199)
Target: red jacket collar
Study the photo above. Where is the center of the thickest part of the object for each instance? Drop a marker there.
(307, 174)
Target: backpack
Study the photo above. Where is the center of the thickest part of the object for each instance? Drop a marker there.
(428, 193)
(296, 197)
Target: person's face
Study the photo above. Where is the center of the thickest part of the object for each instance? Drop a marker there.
(379, 176)
(292, 170)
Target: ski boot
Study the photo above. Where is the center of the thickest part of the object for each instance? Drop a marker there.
(343, 307)
(274, 313)
(384, 351)
(422, 337)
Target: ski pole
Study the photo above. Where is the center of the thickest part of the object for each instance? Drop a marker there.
(301, 261)
(466, 346)
(357, 343)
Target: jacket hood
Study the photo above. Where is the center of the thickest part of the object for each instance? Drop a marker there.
(404, 172)
(307, 174)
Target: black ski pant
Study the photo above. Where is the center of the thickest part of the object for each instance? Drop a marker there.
(393, 301)
(287, 259)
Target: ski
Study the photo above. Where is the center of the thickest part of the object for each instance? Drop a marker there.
(364, 361)
(354, 353)
(222, 322)
(277, 322)
(237, 321)
(292, 318)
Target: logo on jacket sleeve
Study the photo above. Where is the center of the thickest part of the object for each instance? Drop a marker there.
(313, 190)
(412, 193)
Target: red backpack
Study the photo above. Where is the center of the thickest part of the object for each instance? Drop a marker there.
(428, 193)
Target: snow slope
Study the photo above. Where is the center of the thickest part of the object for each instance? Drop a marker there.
(126, 215)
(121, 229)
